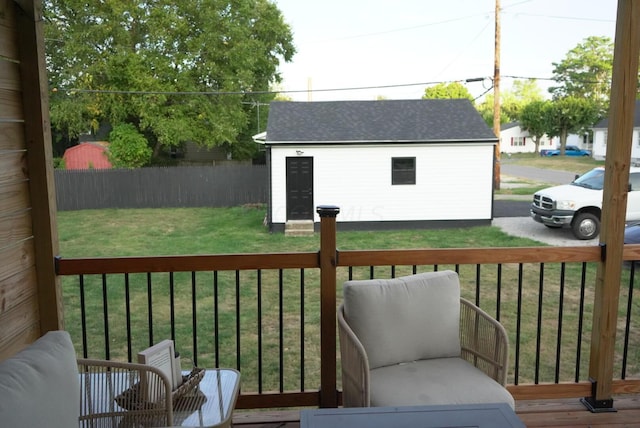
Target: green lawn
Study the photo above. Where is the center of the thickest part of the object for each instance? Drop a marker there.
(147, 232)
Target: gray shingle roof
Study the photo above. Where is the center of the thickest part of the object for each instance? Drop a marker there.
(376, 121)
(604, 123)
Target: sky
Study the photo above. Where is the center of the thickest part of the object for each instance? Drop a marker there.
(398, 48)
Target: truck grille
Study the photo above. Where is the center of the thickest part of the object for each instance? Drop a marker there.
(544, 202)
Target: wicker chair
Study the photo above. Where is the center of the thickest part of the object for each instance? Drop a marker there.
(116, 394)
(414, 341)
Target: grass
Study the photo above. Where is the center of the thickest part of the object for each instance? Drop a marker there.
(578, 165)
(241, 301)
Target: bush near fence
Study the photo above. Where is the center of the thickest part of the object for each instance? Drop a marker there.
(161, 187)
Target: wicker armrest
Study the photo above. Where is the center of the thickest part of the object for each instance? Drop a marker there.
(355, 366)
(136, 394)
(484, 341)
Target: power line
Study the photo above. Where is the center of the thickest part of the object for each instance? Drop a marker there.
(222, 93)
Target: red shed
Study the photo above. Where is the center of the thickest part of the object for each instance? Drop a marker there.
(87, 156)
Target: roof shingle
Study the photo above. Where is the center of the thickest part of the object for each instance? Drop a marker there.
(376, 121)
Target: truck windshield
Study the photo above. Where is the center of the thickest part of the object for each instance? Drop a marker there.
(593, 179)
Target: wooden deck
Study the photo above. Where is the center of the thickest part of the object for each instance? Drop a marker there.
(566, 413)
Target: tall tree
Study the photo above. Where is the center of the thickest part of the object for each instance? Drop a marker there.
(534, 118)
(585, 72)
(513, 100)
(447, 90)
(571, 115)
(177, 71)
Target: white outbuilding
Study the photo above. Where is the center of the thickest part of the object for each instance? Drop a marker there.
(385, 164)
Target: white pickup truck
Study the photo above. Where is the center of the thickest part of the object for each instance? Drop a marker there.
(579, 204)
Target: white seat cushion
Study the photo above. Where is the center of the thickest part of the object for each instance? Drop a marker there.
(39, 385)
(435, 381)
(405, 319)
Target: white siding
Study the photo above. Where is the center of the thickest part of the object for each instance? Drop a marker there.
(509, 141)
(600, 145)
(453, 182)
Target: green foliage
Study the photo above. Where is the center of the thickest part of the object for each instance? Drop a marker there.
(59, 163)
(178, 71)
(512, 101)
(535, 118)
(571, 115)
(447, 91)
(128, 148)
(586, 72)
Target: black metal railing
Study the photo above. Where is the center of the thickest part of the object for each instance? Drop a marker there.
(263, 313)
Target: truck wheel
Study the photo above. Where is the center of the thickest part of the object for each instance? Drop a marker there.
(585, 226)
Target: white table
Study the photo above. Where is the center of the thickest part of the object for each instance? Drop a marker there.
(212, 404)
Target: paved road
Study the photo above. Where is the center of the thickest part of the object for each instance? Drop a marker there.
(509, 208)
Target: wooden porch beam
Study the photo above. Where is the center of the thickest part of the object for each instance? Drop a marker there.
(614, 203)
(39, 155)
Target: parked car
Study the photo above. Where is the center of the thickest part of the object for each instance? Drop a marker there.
(579, 204)
(568, 151)
(632, 233)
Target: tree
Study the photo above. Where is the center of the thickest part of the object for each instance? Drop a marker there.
(534, 118)
(586, 72)
(571, 115)
(177, 71)
(512, 101)
(128, 148)
(447, 91)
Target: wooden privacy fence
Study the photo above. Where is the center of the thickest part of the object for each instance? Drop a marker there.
(159, 187)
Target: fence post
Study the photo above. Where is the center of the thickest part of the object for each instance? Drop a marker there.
(328, 347)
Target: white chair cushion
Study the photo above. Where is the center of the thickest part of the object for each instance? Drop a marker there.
(436, 381)
(39, 385)
(405, 319)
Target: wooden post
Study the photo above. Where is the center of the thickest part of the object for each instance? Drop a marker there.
(40, 161)
(614, 204)
(328, 314)
(496, 100)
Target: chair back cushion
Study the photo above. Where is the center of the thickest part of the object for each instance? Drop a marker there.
(39, 386)
(405, 319)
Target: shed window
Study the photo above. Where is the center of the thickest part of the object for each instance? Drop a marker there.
(403, 171)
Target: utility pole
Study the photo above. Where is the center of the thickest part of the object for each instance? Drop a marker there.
(496, 100)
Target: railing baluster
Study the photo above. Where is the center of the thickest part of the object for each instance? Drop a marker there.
(127, 302)
(216, 319)
(150, 307)
(478, 285)
(583, 284)
(560, 317)
(238, 332)
(105, 314)
(172, 306)
(539, 324)
(194, 319)
(83, 318)
(518, 325)
(281, 329)
(302, 335)
(259, 315)
(627, 326)
(499, 292)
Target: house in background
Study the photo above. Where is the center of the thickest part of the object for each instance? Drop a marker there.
(386, 164)
(514, 139)
(600, 134)
(88, 155)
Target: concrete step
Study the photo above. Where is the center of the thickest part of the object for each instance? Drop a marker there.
(298, 228)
